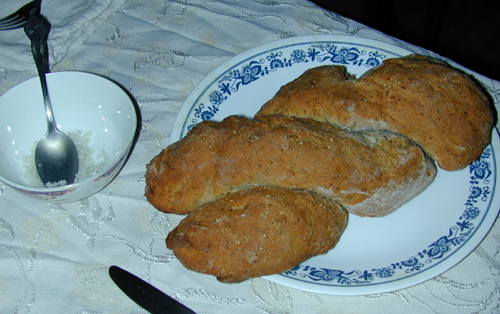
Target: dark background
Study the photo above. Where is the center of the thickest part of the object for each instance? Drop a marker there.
(466, 31)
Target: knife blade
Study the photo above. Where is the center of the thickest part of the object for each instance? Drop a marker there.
(147, 296)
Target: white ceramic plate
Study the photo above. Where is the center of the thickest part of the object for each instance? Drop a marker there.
(420, 240)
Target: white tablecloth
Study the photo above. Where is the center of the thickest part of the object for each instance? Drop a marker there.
(55, 258)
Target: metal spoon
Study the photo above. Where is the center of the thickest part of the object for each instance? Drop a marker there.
(56, 157)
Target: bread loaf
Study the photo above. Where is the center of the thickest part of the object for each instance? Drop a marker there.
(438, 107)
(369, 173)
(257, 232)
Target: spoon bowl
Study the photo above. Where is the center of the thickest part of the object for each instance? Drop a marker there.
(56, 158)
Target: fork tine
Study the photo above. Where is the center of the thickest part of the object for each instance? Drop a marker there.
(12, 23)
(8, 18)
(12, 20)
(18, 18)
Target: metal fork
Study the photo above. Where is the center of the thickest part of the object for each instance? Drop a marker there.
(18, 18)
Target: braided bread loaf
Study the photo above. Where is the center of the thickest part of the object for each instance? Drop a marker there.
(262, 195)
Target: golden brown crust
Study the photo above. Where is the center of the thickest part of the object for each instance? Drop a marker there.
(257, 232)
(369, 173)
(435, 105)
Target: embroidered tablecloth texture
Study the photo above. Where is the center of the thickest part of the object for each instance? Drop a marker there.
(54, 258)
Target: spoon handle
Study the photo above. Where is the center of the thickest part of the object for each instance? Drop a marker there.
(37, 29)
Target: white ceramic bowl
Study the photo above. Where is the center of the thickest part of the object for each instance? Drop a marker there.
(81, 102)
